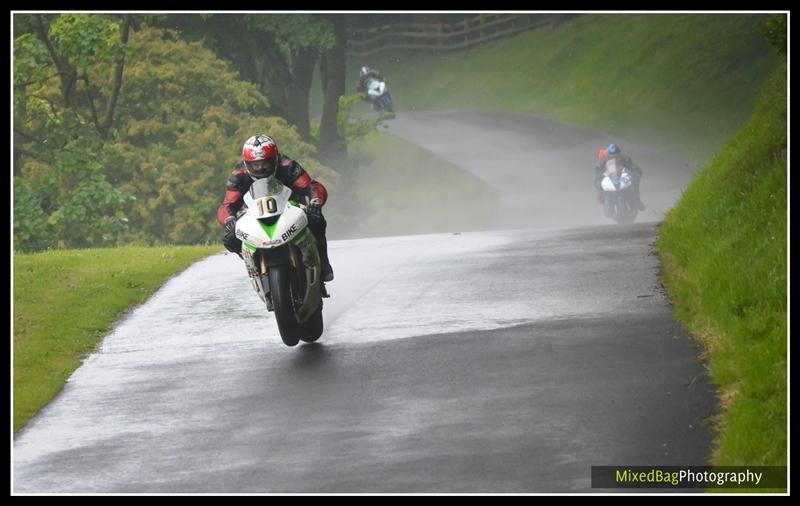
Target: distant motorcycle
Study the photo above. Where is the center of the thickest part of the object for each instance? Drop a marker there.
(282, 260)
(378, 94)
(618, 197)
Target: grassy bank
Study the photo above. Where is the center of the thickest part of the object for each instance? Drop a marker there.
(66, 300)
(723, 252)
(394, 187)
(682, 81)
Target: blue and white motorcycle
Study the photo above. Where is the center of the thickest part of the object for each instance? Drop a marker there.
(378, 94)
(618, 198)
(282, 259)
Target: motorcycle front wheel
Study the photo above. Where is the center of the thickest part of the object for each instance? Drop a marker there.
(312, 328)
(627, 209)
(280, 289)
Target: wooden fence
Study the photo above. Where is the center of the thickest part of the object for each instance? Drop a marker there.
(444, 37)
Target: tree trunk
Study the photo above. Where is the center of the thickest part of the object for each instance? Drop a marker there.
(19, 121)
(332, 147)
(105, 130)
(66, 72)
(277, 80)
(303, 61)
(17, 155)
(323, 71)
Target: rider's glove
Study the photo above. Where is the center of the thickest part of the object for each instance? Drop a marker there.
(230, 225)
(229, 239)
(314, 207)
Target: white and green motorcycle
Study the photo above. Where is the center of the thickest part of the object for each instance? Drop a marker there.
(282, 259)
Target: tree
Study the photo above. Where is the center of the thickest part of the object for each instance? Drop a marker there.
(180, 119)
(774, 30)
(184, 116)
(77, 44)
(62, 195)
(277, 52)
(332, 146)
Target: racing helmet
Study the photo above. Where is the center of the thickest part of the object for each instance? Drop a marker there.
(260, 156)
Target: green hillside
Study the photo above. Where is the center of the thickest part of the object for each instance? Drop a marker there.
(682, 81)
(723, 252)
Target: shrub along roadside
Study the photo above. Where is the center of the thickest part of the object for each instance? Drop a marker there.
(66, 300)
(723, 253)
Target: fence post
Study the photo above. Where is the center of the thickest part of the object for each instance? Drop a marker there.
(469, 32)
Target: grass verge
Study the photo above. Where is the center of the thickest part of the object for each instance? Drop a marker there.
(66, 300)
(723, 250)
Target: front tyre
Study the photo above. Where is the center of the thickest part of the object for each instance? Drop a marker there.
(312, 328)
(628, 210)
(280, 288)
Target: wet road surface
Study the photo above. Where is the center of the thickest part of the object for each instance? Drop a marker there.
(496, 361)
(542, 169)
(555, 351)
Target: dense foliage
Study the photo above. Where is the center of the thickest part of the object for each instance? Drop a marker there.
(146, 166)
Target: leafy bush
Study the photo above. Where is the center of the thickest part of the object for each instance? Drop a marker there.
(775, 32)
(182, 118)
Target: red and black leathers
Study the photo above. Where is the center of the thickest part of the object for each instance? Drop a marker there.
(289, 172)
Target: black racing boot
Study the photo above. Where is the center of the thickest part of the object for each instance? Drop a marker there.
(327, 270)
(639, 200)
(318, 229)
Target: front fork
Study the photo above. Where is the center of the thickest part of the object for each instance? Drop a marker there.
(258, 272)
(301, 254)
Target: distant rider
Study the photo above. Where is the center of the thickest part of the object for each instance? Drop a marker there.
(599, 168)
(260, 159)
(364, 76)
(614, 151)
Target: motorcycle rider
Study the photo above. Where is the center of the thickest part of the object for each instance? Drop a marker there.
(614, 151)
(364, 76)
(260, 159)
(599, 168)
